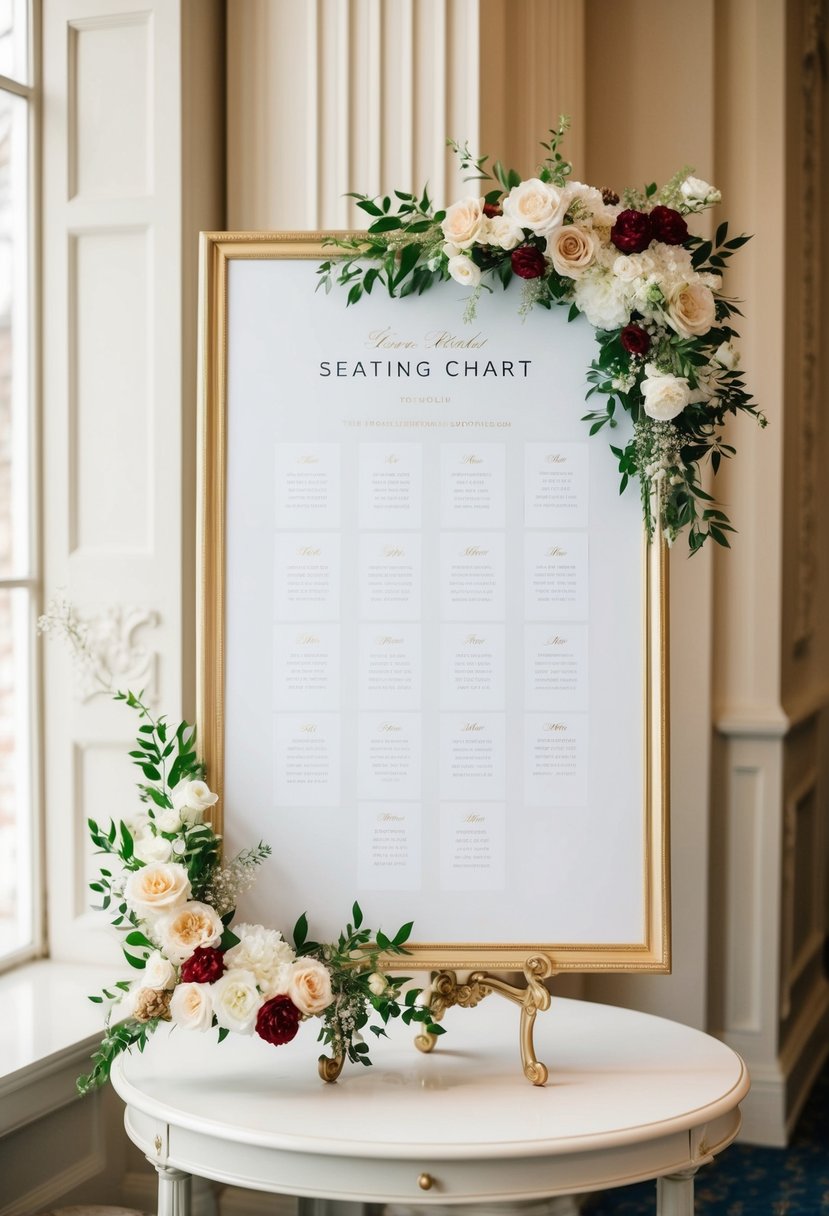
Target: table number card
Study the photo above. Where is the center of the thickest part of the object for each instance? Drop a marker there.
(432, 638)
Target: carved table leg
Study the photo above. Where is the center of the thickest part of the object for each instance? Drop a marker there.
(173, 1191)
(675, 1194)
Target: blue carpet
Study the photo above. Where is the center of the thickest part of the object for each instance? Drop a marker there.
(748, 1181)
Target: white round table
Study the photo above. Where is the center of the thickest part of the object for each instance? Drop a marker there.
(630, 1097)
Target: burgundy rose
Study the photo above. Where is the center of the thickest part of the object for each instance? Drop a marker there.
(492, 209)
(528, 262)
(635, 340)
(278, 1020)
(668, 226)
(632, 232)
(204, 965)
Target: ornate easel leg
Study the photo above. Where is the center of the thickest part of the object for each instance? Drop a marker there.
(173, 1191)
(675, 1194)
(330, 1067)
(446, 991)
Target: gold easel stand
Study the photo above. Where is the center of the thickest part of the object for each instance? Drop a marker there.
(446, 992)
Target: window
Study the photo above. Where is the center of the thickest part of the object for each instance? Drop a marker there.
(19, 928)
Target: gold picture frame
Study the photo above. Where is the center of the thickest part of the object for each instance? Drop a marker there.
(650, 954)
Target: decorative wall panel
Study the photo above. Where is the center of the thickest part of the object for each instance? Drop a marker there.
(110, 116)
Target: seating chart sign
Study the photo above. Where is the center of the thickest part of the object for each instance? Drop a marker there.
(432, 636)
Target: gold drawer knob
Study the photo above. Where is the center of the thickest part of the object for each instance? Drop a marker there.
(425, 1182)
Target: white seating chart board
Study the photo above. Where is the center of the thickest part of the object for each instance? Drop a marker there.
(432, 638)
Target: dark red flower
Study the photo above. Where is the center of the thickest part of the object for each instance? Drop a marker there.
(278, 1020)
(632, 232)
(492, 209)
(528, 262)
(668, 226)
(635, 340)
(204, 966)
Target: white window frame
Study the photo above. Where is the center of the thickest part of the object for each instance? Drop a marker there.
(32, 581)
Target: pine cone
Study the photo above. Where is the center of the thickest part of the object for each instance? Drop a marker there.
(152, 1003)
(609, 197)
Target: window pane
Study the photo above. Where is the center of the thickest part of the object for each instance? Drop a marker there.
(16, 866)
(14, 337)
(14, 39)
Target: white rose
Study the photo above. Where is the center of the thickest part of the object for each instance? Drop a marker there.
(183, 931)
(463, 270)
(602, 299)
(377, 983)
(463, 221)
(157, 887)
(572, 250)
(265, 954)
(698, 193)
(629, 267)
(727, 356)
(236, 1001)
(691, 310)
(502, 232)
(535, 205)
(159, 972)
(665, 395)
(168, 820)
(149, 848)
(192, 800)
(310, 986)
(191, 1006)
(588, 196)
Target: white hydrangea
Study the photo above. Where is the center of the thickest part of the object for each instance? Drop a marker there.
(603, 299)
(265, 954)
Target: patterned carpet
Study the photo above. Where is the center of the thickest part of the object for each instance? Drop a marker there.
(747, 1181)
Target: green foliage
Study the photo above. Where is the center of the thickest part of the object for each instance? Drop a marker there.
(117, 1039)
(357, 956)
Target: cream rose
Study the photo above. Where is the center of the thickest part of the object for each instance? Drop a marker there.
(157, 888)
(535, 205)
(572, 250)
(665, 395)
(265, 954)
(463, 270)
(184, 931)
(377, 983)
(192, 1007)
(691, 310)
(236, 1001)
(463, 221)
(193, 799)
(727, 356)
(159, 972)
(310, 987)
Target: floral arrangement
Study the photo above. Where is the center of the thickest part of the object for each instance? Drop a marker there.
(630, 265)
(173, 898)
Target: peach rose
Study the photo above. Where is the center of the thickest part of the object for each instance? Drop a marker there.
(572, 250)
(185, 930)
(463, 222)
(310, 987)
(157, 888)
(691, 310)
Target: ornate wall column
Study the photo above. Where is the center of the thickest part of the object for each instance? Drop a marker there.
(330, 96)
